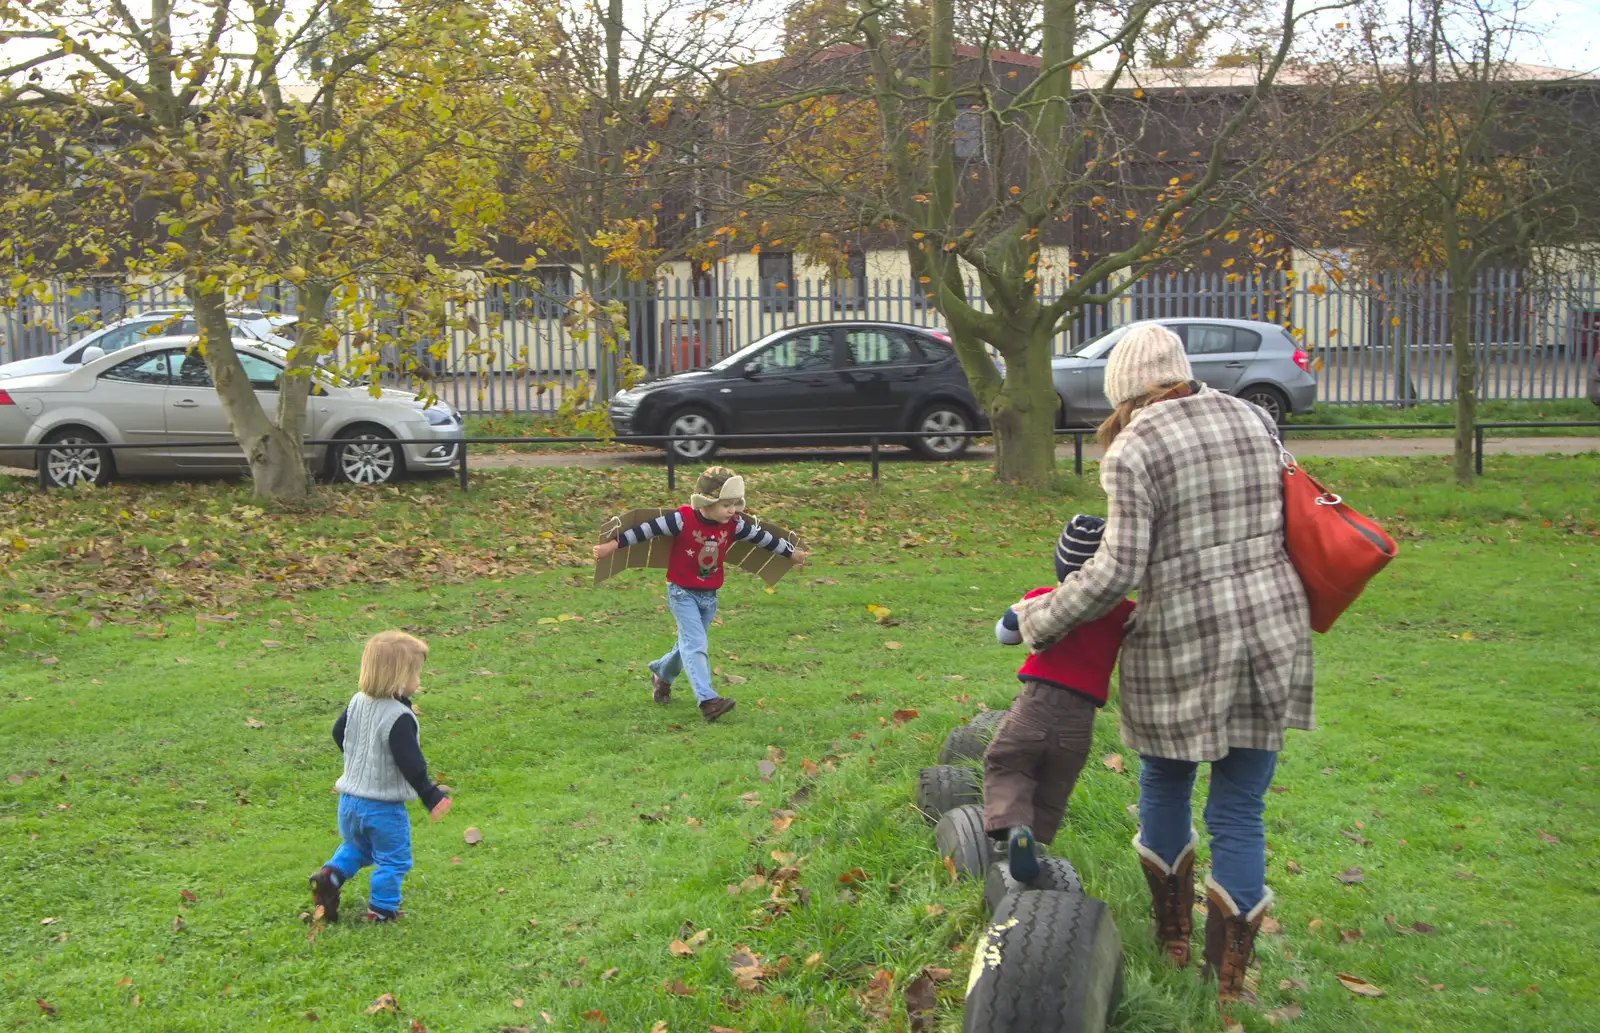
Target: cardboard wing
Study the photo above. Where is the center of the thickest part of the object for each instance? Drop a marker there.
(768, 566)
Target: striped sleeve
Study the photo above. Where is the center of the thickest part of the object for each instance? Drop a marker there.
(668, 525)
(746, 530)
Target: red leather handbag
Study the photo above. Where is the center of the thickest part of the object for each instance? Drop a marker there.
(1334, 549)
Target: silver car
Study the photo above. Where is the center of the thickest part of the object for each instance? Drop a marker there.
(1259, 362)
(255, 326)
(159, 391)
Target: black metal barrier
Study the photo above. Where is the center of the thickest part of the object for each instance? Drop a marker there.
(874, 442)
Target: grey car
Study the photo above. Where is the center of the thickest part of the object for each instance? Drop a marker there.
(172, 322)
(1259, 362)
(159, 391)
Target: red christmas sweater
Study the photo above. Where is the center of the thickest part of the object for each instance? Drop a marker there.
(1082, 660)
(700, 546)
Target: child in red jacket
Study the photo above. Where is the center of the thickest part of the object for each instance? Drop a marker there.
(1041, 746)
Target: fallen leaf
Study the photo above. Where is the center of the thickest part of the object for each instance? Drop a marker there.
(517, 1002)
(679, 949)
(891, 645)
(814, 961)
(1422, 927)
(1291, 867)
(595, 1016)
(1358, 986)
(177, 923)
(1114, 762)
(1545, 837)
(933, 909)
(767, 769)
(608, 973)
(187, 895)
(735, 679)
(950, 868)
(385, 1002)
(473, 835)
(47, 921)
(45, 1006)
(311, 1016)
(921, 997)
(782, 821)
(1350, 876)
(418, 1027)
(724, 1029)
(1288, 1013)
(1461, 874)
(854, 875)
(1350, 935)
(1480, 989)
(783, 856)
(251, 722)
(49, 661)
(271, 643)
(1270, 926)
(900, 717)
(661, 1027)
(750, 799)
(1314, 926)
(1291, 984)
(808, 767)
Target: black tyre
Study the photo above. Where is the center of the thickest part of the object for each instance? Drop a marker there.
(692, 421)
(944, 426)
(947, 787)
(971, 740)
(363, 455)
(73, 460)
(1269, 398)
(1048, 961)
(1055, 873)
(959, 836)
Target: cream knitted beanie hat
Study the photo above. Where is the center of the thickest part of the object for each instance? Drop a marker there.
(1148, 356)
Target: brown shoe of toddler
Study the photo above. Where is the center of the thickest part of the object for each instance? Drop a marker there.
(712, 709)
(325, 892)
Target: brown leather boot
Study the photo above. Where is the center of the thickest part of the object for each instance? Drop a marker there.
(1230, 943)
(660, 691)
(325, 884)
(714, 708)
(1171, 897)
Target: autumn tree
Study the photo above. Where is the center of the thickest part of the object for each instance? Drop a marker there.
(1474, 163)
(226, 147)
(975, 166)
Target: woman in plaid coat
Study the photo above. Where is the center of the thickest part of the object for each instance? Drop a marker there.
(1217, 660)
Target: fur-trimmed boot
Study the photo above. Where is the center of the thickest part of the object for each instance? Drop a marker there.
(1171, 897)
(1230, 943)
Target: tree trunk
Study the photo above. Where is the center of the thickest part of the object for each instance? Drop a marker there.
(1460, 305)
(1023, 413)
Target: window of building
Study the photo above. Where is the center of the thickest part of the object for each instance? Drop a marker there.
(967, 137)
(850, 291)
(776, 273)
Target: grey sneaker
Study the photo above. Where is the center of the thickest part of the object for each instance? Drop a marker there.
(712, 709)
(660, 691)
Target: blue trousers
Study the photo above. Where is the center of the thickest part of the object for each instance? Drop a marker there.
(1239, 784)
(693, 609)
(375, 832)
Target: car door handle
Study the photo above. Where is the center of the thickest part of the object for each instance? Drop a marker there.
(186, 403)
(1237, 365)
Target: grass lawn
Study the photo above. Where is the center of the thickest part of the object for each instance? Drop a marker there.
(172, 657)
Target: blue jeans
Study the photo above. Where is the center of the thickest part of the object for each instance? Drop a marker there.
(693, 609)
(375, 832)
(1239, 784)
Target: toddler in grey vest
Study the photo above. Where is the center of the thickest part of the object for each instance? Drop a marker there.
(383, 768)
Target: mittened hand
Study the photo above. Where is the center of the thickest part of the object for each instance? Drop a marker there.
(605, 549)
(440, 809)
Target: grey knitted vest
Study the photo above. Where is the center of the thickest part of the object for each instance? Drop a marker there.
(369, 768)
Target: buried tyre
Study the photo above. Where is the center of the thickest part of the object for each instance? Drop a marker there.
(971, 740)
(946, 787)
(959, 837)
(1048, 961)
(1055, 873)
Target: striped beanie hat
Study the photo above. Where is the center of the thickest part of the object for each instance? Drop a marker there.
(1077, 543)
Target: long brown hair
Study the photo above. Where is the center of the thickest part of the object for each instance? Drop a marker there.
(1120, 417)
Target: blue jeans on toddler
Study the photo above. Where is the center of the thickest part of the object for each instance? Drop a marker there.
(693, 609)
(1239, 783)
(375, 832)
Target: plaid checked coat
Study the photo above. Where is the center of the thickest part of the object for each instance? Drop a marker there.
(1218, 653)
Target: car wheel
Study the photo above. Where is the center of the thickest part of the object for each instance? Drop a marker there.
(692, 422)
(945, 427)
(1270, 399)
(72, 459)
(362, 456)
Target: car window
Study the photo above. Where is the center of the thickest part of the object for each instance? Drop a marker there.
(146, 369)
(263, 374)
(1247, 340)
(189, 370)
(803, 351)
(1206, 339)
(878, 348)
(935, 348)
(1100, 345)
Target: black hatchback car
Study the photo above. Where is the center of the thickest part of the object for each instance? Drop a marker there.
(854, 379)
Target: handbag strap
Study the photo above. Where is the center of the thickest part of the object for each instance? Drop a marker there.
(1284, 454)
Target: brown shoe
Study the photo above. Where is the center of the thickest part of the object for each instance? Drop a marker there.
(1230, 943)
(1171, 897)
(325, 892)
(712, 709)
(660, 691)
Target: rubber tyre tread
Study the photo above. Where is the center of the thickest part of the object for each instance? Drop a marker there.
(946, 787)
(971, 740)
(959, 836)
(1055, 873)
(1050, 962)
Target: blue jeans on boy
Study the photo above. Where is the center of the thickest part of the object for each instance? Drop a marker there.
(375, 832)
(1239, 783)
(693, 609)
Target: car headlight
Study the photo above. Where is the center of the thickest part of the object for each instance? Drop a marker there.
(441, 417)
